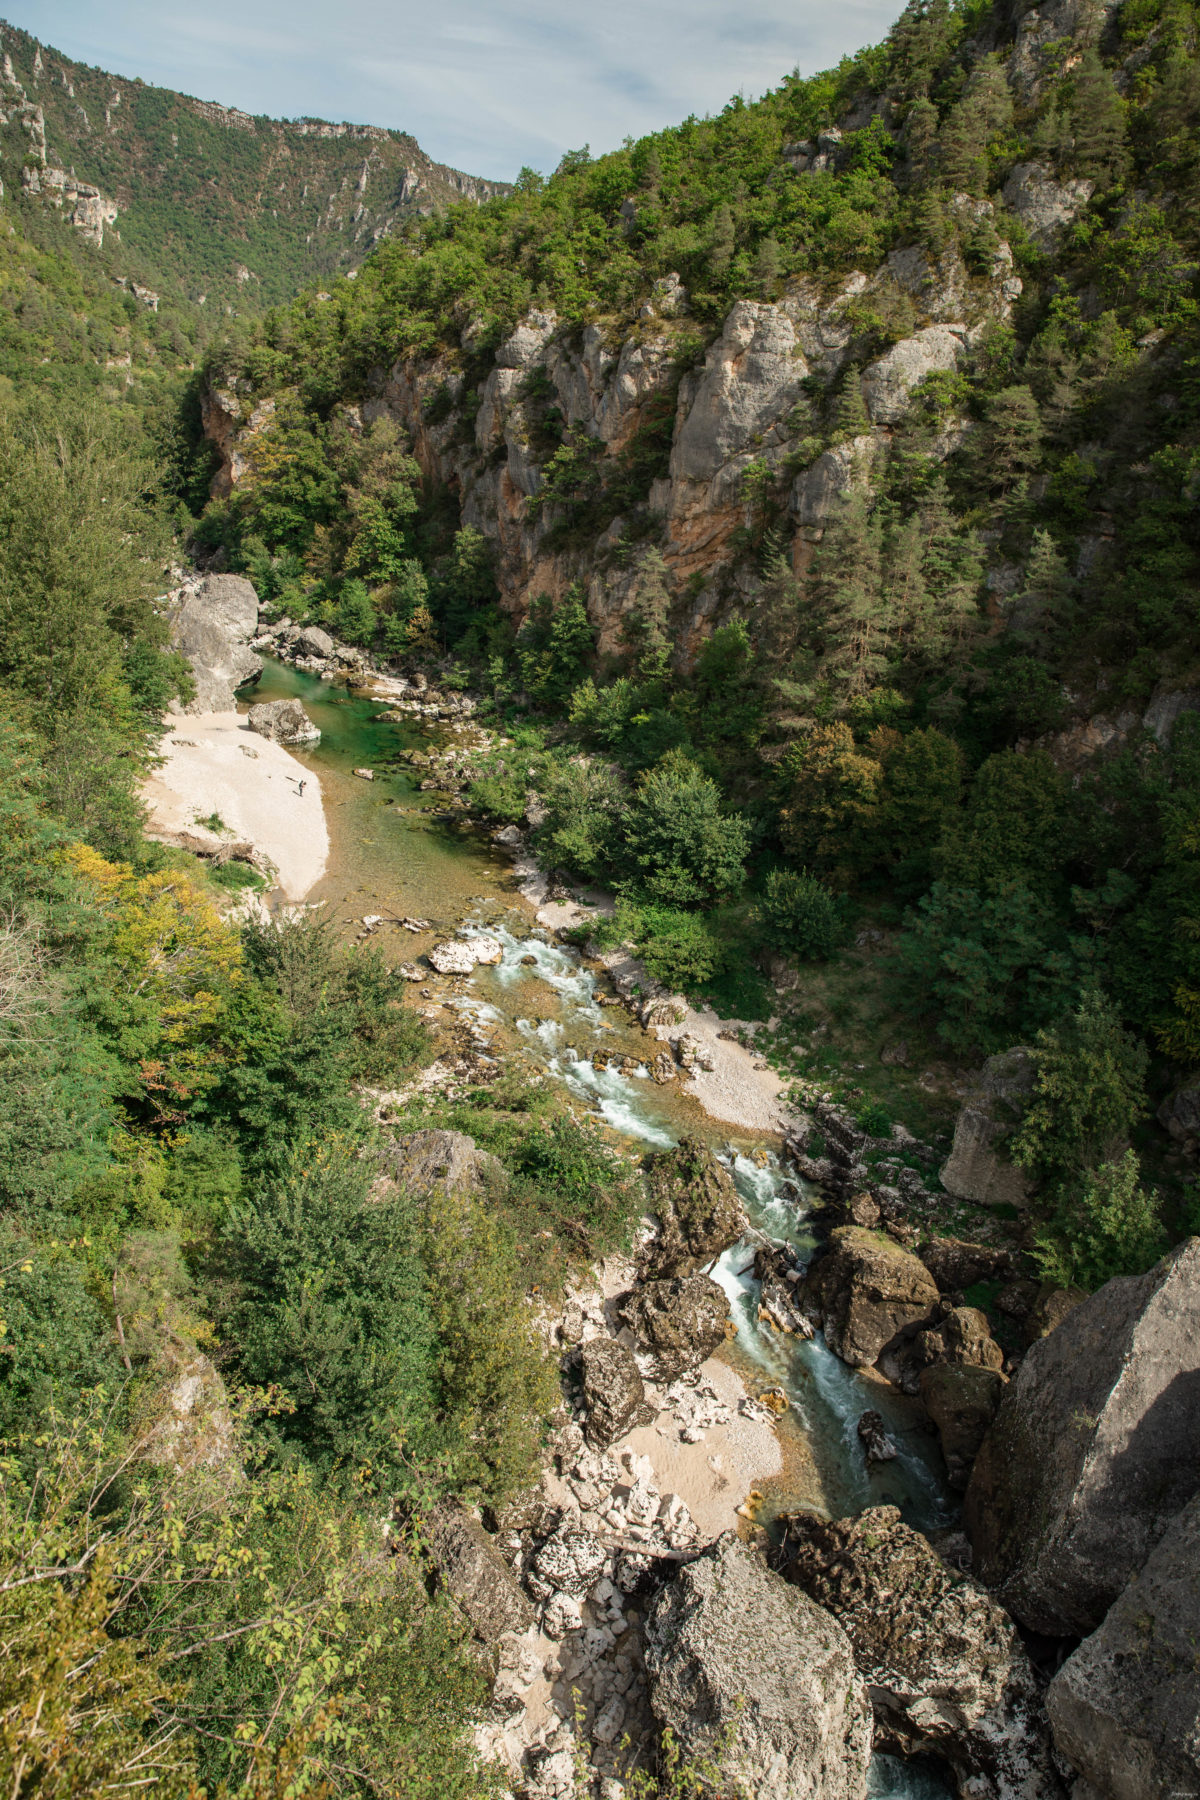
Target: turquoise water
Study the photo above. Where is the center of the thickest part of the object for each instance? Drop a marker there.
(387, 853)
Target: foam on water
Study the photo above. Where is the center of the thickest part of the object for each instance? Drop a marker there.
(827, 1395)
(616, 1099)
(553, 965)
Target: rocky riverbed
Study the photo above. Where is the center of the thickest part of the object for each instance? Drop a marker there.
(747, 1528)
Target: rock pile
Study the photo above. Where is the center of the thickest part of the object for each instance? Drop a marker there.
(944, 1666)
(748, 1671)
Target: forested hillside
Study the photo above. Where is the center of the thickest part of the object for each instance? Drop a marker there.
(836, 463)
(225, 211)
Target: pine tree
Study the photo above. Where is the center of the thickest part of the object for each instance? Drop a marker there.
(983, 114)
(1011, 441)
(1098, 122)
(644, 630)
(951, 572)
(921, 140)
(1048, 592)
(851, 616)
(850, 418)
(723, 241)
(768, 260)
(919, 43)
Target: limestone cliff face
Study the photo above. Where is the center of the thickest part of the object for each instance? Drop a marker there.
(82, 205)
(740, 404)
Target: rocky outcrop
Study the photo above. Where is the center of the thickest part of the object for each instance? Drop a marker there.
(82, 205)
(193, 1430)
(818, 492)
(752, 375)
(945, 1669)
(864, 1290)
(679, 1322)
(1125, 1707)
(977, 1168)
(957, 1264)
(747, 1670)
(212, 622)
(285, 721)
(699, 1210)
(613, 1391)
(1044, 206)
(962, 1400)
(1179, 1116)
(459, 956)
(889, 382)
(476, 1574)
(450, 1160)
(1093, 1450)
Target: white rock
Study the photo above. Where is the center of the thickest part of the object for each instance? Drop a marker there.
(562, 1615)
(455, 956)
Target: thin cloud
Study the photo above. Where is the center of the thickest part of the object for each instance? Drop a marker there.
(483, 90)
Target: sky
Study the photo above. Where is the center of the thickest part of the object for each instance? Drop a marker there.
(485, 88)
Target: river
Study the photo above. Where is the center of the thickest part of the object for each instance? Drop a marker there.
(391, 855)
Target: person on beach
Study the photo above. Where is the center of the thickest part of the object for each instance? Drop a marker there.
(302, 790)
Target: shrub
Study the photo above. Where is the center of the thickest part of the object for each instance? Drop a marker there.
(327, 1303)
(803, 917)
(583, 800)
(679, 845)
(1104, 1224)
(577, 1184)
(496, 1386)
(679, 948)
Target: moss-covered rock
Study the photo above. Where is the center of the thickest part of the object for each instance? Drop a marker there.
(699, 1210)
(864, 1290)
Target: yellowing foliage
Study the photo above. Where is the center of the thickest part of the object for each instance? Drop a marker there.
(171, 964)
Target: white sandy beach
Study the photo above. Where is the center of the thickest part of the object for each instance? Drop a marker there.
(216, 764)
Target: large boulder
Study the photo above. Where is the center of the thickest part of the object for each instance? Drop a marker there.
(283, 720)
(613, 1390)
(864, 1290)
(570, 1561)
(1179, 1115)
(312, 641)
(977, 1168)
(945, 1669)
(962, 1400)
(450, 1160)
(1125, 1708)
(699, 1210)
(459, 956)
(746, 1669)
(1093, 1450)
(211, 625)
(1044, 206)
(961, 1337)
(680, 1322)
(474, 1571)
(888, 383)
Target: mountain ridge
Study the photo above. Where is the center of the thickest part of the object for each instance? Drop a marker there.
(235, 211)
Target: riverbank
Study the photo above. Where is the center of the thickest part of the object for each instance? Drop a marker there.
(737, 1087)
(215, 768)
